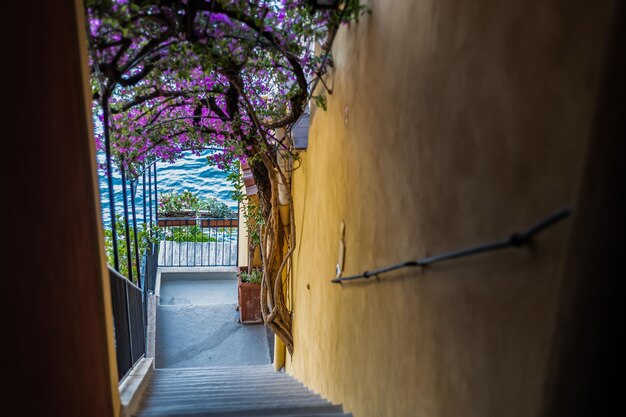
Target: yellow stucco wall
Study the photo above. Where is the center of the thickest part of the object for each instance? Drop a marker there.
(452, 123)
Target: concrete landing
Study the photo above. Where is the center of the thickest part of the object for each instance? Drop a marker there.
(200, 336)
(199, 292)
(197, 324)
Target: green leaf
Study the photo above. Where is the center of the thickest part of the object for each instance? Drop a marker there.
(320, 101)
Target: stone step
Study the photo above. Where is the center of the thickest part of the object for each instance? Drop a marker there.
(220, 377)
(232, 391)
(251, 391)
(234, 399)
(266, 411)
(247, 414)
(225, 370)
(211, 379)
(230, 386)
(234, 382)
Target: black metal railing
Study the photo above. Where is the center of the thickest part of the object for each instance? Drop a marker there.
(150, 265)
(515, 240)
(138, 223)
(128, 322)
(190, 242)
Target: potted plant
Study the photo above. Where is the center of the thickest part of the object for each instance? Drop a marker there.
(249, 295)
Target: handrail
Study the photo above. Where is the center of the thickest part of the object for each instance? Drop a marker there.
(128, 308)
(120, 276)
(515, 240)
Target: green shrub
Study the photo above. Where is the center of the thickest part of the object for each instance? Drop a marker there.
(253, 277)
(188, 204)
(189, 234)
(143, 240)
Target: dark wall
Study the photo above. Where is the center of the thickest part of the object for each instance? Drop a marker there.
(587, 353)
(54, 332)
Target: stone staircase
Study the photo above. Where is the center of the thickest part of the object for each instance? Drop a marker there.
(231, 391)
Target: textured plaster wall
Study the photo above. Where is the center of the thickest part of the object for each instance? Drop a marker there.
(451, 123)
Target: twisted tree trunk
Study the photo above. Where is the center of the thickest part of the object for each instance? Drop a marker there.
(276, 313)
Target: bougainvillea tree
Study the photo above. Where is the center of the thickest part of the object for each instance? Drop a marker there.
(172, 76)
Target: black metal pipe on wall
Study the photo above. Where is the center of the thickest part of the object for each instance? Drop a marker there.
(515, 240)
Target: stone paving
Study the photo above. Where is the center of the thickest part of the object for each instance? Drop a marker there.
(197, 325)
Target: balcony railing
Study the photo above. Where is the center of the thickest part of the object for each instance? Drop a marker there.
(189, 242)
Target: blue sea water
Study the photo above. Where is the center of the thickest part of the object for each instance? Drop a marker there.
(190, 172)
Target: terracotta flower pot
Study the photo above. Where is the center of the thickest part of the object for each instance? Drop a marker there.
(249, 298)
